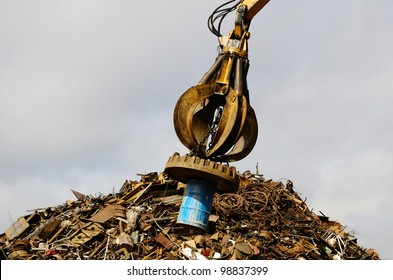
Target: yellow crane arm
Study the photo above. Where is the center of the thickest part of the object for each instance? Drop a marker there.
(245, 11)
(253, 7)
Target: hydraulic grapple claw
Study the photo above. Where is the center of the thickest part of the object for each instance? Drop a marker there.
(214, 119)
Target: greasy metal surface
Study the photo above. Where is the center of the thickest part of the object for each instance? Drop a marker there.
(184, 168)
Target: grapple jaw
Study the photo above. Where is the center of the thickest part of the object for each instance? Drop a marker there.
(214, 126)
(214, 119)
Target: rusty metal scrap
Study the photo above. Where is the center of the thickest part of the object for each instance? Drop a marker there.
(264, 219)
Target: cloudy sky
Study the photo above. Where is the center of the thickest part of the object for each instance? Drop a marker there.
(88, 87)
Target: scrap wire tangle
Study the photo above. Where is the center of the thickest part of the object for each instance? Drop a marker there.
(229, 203)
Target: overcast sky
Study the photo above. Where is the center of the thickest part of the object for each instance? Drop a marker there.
(88, 88)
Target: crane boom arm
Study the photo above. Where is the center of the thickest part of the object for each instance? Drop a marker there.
(253, 7)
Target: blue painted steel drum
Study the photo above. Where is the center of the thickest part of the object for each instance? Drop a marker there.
(196, 204)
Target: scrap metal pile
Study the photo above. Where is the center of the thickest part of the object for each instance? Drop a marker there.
(262, 220)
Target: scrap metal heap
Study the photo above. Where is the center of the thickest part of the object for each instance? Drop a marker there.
(263, 219)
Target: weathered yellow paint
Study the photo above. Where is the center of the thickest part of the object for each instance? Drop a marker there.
(253, 7)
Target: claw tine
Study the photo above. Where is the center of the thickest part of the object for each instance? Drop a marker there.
(247, 140)
(184, 111)
(230, 124)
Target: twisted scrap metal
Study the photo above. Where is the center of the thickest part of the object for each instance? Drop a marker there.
(229, 203)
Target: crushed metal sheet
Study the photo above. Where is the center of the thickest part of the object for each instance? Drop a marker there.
(108, 212)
